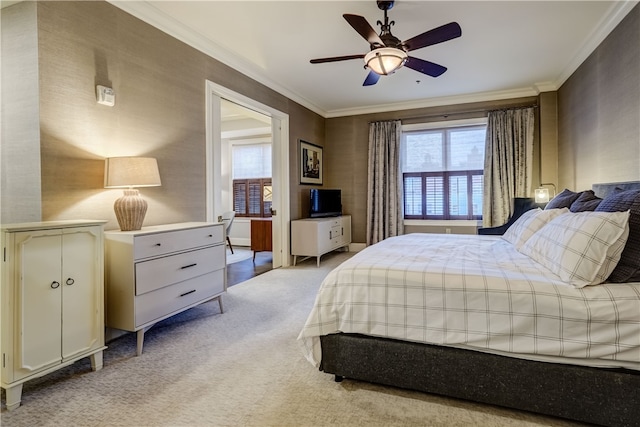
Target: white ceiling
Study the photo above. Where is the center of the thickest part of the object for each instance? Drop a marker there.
(507, 49)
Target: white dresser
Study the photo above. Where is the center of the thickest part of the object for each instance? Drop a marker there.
(52, 299)
(159, 271)
(318, 236)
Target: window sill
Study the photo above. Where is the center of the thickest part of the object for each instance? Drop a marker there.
(443, 222)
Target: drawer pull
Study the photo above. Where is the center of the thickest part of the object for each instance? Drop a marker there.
(210, 235)
(55, 285)
(187, 293)
(189, 266)
(70, 281)
(158, 244)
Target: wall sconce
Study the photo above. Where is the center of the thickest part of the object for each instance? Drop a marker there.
(130, 172)
(541, 194)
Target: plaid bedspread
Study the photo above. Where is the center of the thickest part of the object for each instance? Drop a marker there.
(478, 292)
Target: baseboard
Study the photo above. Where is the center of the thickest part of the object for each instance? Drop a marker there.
(356, 247)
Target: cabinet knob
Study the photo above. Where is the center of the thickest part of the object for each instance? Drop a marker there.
(55, 285)
(70, 281)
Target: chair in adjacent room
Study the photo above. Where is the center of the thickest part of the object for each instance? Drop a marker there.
(520, 206)
(227, 220)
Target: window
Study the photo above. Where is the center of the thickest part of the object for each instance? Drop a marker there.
(251, 179)
(442, 171)
(252, 197)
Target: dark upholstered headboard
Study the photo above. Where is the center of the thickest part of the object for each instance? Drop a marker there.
(602, 190)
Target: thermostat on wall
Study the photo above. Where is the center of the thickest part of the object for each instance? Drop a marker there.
(105, 95)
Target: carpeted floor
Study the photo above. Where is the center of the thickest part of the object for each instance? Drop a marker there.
(240, 368)
(239, 254)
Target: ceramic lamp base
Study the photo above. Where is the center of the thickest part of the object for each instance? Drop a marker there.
(130, 210)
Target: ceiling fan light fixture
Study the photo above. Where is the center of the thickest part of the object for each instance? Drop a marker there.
(385, 60)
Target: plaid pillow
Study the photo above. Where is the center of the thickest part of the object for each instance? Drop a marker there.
(581, 248)
(530, 222)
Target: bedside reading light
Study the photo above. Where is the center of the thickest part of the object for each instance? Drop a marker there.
(130, 172)
(541, 194)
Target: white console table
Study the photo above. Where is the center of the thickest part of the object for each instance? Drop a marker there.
(159, 271)
(314, 237)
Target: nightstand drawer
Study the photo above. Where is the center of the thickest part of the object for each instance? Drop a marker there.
(172, 299)
(151, 245)
(160, 272)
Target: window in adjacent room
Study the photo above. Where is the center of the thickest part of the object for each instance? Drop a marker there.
(442, 171)
(251, 179)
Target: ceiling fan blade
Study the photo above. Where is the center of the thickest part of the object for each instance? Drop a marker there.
(336, 58)
(364, 29)
(372, 78)
(425, 67)
(437, 35)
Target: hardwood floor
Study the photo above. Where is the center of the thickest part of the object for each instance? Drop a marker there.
(245, 270)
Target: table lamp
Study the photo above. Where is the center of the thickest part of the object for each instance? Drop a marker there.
(541, 194)
(130, 172)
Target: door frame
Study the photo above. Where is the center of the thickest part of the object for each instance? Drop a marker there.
(280, 164)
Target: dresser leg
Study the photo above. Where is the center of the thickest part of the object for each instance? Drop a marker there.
(96, 361)
(220, 303)
(13, 396)
(140, 341)
(294, 260)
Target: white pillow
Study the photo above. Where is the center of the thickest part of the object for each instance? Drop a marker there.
(582, 248)
(528, 223)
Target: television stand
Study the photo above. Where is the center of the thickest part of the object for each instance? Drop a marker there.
(314, 237)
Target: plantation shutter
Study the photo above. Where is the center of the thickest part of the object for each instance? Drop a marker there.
(240, 197)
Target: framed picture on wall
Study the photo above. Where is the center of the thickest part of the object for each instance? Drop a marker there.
(310, 163)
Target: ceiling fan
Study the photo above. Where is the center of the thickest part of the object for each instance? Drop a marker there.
(388, 53)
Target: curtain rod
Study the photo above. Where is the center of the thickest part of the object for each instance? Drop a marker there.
(534, 106)
(460, 113)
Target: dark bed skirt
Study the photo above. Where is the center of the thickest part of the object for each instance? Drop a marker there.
(609, 397)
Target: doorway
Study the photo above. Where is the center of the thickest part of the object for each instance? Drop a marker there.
(217, 98)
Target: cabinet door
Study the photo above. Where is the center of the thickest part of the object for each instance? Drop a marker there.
(325, 238)
(346, 230)
(81, 290)
(37, 336)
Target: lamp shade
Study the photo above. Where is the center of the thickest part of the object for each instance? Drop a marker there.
(541, 195)
(385, 60)
(131, 172)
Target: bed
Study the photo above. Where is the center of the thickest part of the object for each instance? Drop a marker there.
(485, 318)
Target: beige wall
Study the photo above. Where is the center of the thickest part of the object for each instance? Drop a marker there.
(347, 149)
(20, 148)
(599, 112)
(160, 112)
(548, 138)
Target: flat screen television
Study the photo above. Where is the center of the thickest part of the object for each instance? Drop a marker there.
(325, 202)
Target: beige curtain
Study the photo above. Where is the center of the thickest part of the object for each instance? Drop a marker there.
(384, 199)
(508, 162)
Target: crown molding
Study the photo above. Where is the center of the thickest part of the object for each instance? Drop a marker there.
(612, 18)
(148, 13)
(437, 102)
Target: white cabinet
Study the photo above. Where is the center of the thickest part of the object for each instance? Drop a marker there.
(52, 299)
(318, 236)
(159, 271)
